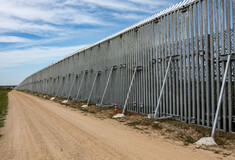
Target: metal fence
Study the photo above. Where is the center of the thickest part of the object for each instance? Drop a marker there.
(196, 36)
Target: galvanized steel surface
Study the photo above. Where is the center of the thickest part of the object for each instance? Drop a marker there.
(197, 35)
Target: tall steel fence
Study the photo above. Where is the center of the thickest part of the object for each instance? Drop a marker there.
(194, 37)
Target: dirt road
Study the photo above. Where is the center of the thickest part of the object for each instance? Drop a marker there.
(41, 129)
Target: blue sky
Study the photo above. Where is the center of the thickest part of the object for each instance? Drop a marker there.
(36, 33)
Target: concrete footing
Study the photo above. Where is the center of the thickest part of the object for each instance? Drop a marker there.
(119, 116)
(84, 106)
(208, 141)
(65, 101)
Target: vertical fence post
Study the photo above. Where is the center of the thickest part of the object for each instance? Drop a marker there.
(199, 32)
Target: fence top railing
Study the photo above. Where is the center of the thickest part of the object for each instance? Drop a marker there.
(145, 21)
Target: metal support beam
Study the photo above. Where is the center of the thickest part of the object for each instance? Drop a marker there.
(220, 97)
(162, 89)
(80, 85)
(71, 87)
(89, 98)
(129, 90)
(64, 85)
(59, 87)
(106, 86)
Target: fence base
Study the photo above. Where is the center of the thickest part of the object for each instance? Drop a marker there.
(208, 141)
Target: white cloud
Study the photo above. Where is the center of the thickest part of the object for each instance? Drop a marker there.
(11, 39)
(16, 25)
(144, 6)
(38, 17)
(58, 16)
(152, 3)
(34, 55)
(54, 22)
(50, 17)
(127, 16)
(117, 5)
(67, 35)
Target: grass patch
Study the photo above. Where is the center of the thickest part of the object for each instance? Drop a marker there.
(185, 138)
(180, 135)
(168, 130)
(84, 109)
(216, 151)
(133, 123)
(3, 105)
(226, 154)
(138, 128)
(93, 112)
(145, 123)
(190, 139)
(157, 126)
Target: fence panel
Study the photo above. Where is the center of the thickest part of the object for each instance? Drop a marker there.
(198, 35)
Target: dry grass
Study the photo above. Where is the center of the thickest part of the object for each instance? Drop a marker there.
(173, 130)
(3, 105)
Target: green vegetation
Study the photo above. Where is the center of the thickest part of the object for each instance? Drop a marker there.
(157, 126)
(133, 123)
(139, 122)
(3, 105)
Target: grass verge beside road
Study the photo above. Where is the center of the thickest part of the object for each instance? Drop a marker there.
(3, 105)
